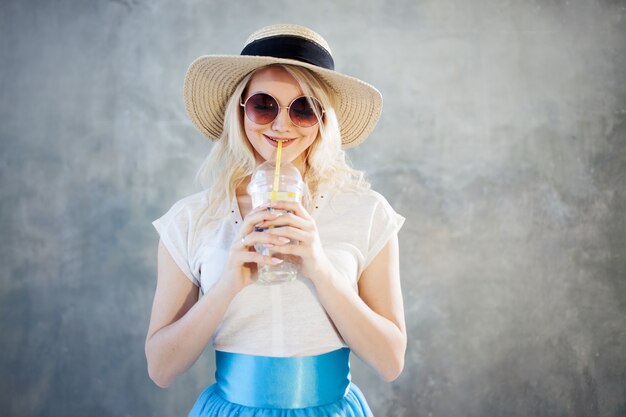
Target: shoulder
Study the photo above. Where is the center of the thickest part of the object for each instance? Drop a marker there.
(364, 206)
(191, 202)
(187, 209)
(359, 222)
(348, 208)
(361, 201)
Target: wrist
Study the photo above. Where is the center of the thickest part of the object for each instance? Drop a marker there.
(228, 288)
(324, 274)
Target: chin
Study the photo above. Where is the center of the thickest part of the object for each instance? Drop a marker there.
(286, 156)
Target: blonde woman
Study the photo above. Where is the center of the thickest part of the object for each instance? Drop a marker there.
(281, 350)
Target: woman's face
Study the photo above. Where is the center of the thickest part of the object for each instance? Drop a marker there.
(263, 137)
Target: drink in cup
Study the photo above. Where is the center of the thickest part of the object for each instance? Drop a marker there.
(269, 184)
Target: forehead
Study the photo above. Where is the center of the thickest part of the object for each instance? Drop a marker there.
(276, 81)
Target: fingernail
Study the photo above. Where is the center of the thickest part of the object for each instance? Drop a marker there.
(276, 261)
(282, 239)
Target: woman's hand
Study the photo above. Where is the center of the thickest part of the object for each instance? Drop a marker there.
(297, 224)
(243, 259)
(374, 312)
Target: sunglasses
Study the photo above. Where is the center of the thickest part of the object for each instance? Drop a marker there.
(262, 108)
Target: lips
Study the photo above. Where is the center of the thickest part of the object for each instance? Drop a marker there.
(273, 141)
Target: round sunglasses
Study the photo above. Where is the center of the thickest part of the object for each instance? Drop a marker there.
(262, 108)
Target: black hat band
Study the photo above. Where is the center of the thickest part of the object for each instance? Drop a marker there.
(291, 47)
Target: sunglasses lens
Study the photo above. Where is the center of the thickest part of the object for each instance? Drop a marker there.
(304, 111)
(261, 108)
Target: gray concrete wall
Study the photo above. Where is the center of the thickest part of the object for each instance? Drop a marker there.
(503, 142)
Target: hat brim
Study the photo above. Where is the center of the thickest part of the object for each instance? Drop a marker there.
(211, 80)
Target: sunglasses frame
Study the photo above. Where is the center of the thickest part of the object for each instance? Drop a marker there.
(313, 99)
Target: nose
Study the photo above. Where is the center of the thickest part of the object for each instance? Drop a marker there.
(282, 122)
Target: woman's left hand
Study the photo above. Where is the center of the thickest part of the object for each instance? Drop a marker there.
(298, 225)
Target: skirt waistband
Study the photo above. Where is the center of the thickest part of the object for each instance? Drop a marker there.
(294, 382)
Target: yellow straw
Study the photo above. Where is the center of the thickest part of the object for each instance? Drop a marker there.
(277, 172)
(276, 178)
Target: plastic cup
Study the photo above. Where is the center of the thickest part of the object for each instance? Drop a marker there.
(261, 190)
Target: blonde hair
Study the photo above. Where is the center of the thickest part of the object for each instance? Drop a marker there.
(232, 159)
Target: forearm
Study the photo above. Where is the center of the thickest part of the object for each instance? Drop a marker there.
(374, 338)
(173, 349)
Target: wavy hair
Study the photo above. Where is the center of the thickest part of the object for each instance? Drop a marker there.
(232, 158)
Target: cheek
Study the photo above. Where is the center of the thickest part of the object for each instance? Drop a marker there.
(251, 132)
(246, 127)
(312, 136)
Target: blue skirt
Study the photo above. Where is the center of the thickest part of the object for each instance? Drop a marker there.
(263, 386)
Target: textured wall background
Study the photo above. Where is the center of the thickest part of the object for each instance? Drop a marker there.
(503, 142)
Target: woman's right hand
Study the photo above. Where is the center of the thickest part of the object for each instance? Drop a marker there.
(174, 342)
(243, 259)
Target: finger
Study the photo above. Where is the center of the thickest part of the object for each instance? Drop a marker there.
(288, 219)
(265, 213)
(295, 250)
(293, 206)
(291, 233)
(264, 238)
(254, 218)
(244, 243)
(257, 258)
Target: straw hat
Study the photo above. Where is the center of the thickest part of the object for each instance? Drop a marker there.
(211, 80)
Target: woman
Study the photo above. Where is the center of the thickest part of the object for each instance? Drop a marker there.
(280, 349)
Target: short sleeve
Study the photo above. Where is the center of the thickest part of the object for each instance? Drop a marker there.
(384, 223)
(174, 228)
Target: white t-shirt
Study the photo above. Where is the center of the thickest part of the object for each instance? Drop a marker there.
(286, 319)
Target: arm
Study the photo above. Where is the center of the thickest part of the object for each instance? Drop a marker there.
(370, 322)
(181, 326)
